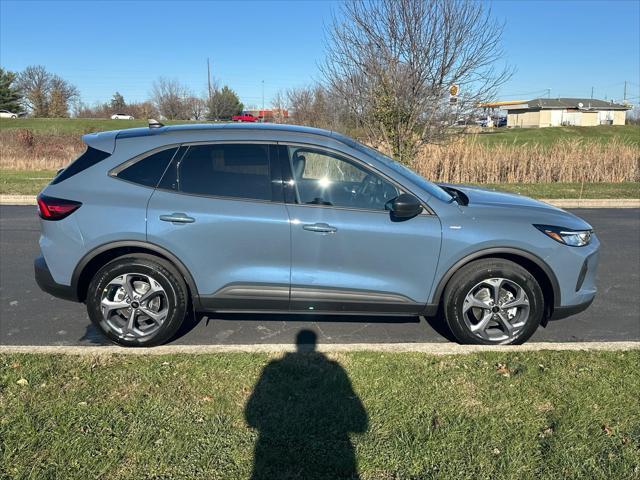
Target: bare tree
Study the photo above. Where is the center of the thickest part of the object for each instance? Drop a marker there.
(169, 96)
(62, 93)
(394, 61)
(35, 84)
(320, 106)
(46, 94)
(142, 109)
(280, 107)
(196, 107)
(302, 102)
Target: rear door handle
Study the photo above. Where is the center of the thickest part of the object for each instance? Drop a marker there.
(320, 228)
(177, 218)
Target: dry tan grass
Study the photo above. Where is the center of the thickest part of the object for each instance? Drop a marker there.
(565, 161)
(460, 162)
(23, 150)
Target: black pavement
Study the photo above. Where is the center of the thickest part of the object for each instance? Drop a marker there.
(30, 317)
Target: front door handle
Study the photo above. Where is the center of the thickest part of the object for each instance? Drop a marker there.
(320, 228)
(177, 218)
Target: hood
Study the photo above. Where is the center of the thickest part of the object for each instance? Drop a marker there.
(517, 205)
(477, 195)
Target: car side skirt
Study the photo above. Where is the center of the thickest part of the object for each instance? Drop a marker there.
(242, 297)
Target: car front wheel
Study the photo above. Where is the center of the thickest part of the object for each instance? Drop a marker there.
(137, 300)
(493, 301)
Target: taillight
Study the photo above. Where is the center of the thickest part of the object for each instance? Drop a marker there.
(51, 208)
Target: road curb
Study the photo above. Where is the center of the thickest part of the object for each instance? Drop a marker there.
(593, 202)
(17, 199)
(557, 202)
(428, 348)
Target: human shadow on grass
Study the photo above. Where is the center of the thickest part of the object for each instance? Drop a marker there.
(304, 409)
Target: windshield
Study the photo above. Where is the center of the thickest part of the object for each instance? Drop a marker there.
(406, 172)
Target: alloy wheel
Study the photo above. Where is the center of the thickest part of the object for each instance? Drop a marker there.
(134, 305)
(496, 309)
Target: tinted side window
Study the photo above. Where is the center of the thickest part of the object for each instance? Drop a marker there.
(84, 161)
(324, 178)
(149, 170)
(226, 170)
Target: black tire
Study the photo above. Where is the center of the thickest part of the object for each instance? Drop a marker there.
(469, 276)
(162, 272)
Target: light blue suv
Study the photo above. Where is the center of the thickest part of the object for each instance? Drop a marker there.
(150, 224)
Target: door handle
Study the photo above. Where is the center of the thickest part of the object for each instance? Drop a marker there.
(320, 228)
(177, 218)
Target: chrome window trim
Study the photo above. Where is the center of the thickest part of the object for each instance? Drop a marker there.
(117, 169)
(427, 210)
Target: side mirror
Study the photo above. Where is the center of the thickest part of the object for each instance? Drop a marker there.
(405, 206)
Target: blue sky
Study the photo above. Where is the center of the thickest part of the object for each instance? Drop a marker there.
(101, 47)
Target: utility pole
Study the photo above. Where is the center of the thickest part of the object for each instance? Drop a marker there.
(591, 93)
(263, 96)
(209, 78)
(548, 93)
(625, 91)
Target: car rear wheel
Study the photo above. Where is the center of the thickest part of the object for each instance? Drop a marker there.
(137, 301)
(493, 301)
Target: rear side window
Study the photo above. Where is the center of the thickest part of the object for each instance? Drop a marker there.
(149, 170)
(226, 170)
(84, 161)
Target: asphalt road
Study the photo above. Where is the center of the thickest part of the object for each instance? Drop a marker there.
(30, 317)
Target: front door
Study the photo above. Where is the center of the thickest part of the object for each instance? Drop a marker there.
(348, 253)
(219, 209)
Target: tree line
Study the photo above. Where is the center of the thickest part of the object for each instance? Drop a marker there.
(399, 72)
(39, 93)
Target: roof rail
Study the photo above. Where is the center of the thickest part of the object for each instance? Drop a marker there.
(155, 123)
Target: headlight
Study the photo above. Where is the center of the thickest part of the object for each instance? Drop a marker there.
(573, 238)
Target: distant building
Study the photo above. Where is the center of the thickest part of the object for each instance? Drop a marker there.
(555, 112)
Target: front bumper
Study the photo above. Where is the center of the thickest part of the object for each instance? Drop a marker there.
(47, 284)
(579, 284)
(564, 312)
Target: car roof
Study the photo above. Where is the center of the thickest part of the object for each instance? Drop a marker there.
(106, 140)
(190, 127)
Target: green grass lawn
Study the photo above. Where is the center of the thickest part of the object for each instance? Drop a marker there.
(20, 182)
(571, 190)
(77, 126)
(546, 136)
(512, 136)
(24, 182)
(542, 415)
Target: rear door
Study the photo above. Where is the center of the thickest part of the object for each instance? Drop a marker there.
(219, 208)
(348, 253)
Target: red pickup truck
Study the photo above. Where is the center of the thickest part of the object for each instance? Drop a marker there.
(244, 117)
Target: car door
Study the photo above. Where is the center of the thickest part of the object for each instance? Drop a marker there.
(348, 252)
(219, 209)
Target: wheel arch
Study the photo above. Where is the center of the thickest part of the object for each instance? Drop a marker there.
(532, 263)
(101, 255)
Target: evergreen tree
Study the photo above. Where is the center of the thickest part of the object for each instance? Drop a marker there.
(117, 103)
(223, 104)
(9, 94)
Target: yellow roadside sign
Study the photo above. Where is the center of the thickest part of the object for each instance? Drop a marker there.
(453, 90)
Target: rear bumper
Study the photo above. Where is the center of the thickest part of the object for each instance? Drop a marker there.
(47, 284)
